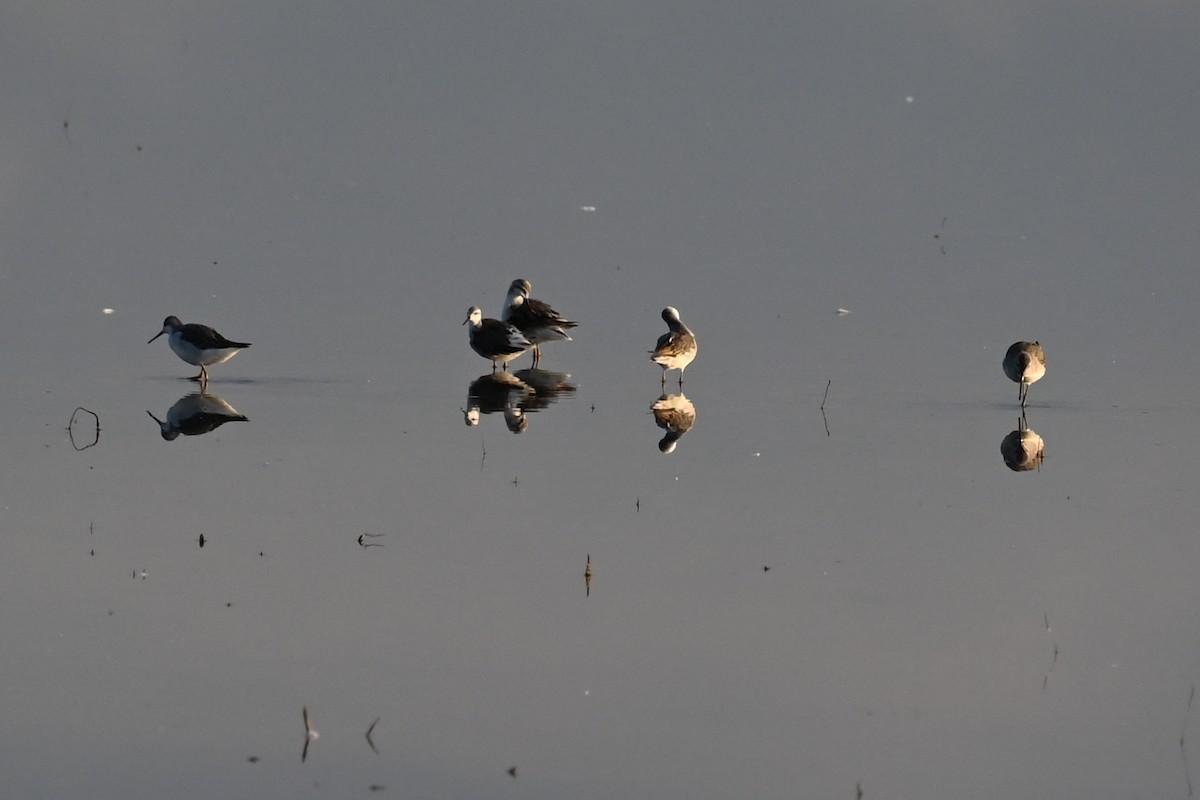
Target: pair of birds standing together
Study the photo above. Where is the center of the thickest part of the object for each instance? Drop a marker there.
(527, 323)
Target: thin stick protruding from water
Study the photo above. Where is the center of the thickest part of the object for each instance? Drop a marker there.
(1054, 655)
(823, 399)
(1187, 771)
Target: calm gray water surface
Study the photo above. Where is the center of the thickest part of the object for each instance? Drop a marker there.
(789, 604)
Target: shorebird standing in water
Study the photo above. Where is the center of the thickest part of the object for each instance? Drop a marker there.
(1025, 363)
(676, 348)
(534, 318)
(493, 339)
(198, 345)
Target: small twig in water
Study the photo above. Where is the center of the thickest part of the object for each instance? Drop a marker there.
(823, 399)
(310, 735)
(1053, 656)
(1187, 771)
(369, 731)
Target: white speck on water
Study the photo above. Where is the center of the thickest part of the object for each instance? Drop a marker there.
(108, 311)
(756, 455)
(586, 692)
(841, 312)
(587, 208)
(909, 99)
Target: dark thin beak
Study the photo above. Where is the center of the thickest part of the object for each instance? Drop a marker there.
(464, 322)
(155, 336)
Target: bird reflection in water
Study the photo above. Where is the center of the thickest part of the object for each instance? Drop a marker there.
(515, 395)
(676, 415)
(195, 414)
(1023, 449)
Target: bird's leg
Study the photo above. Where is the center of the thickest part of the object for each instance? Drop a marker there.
(537, 355)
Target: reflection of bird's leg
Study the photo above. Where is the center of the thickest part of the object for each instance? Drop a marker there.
(663, 380)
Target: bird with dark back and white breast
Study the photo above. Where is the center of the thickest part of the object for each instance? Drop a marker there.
(496, 341)
(198, 345)
(536, 319)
